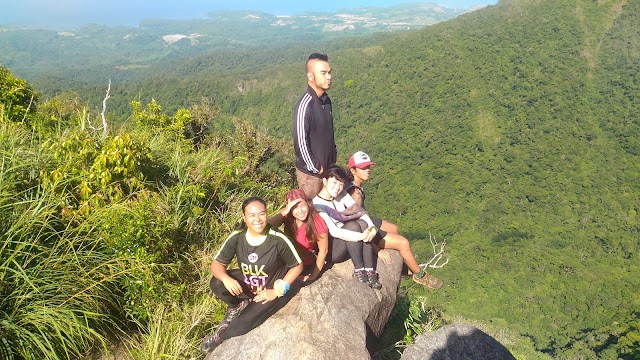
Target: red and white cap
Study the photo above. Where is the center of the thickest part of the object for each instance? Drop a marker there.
(360, 160)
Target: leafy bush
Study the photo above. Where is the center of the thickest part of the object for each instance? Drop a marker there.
(17, 98)
(137, 229)
(95, 172)
(154, 119)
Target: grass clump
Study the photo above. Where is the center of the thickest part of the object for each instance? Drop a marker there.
(59, 289)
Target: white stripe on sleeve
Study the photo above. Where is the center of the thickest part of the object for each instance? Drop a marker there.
(302, 135)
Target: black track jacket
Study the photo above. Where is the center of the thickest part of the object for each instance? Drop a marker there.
(313, 138)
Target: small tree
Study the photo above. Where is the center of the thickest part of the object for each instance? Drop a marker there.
(17, 97)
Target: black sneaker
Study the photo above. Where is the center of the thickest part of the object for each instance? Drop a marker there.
(361, 276)
(212, 341)
(373, 280)
(233, 312)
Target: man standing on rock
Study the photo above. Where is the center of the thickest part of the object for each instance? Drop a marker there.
(313, 139)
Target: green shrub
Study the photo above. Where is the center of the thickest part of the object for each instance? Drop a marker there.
(98, 235)
(95, 172)
(17, 98)
(141, 228)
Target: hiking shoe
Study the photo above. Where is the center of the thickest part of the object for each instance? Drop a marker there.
(374, 280)
(233, 312)
(431, 282)
(361, 276)
(212, 341)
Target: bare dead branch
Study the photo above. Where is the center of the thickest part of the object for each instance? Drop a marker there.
(104, 108)
(28, 107)
(91, 125)
(437, 255)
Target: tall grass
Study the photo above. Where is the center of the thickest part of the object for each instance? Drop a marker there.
(411, 318)
(70, 279)
(59, 290)
(175, 332)
(175, 329)
(59, 287)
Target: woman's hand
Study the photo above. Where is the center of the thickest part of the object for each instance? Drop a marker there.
(385, 256)
(290, 205)
(364, 236)
(233, 286)
(265, 295)
(372, 233)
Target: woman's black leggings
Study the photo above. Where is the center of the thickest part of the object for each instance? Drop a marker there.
(361, 253)
(253, 315)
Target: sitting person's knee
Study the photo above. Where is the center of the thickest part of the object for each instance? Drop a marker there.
(355, 225)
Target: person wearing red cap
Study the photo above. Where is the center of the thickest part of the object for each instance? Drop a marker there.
(350, 227)
(387, 238)
(303, 223)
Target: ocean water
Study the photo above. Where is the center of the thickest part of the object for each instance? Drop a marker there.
(72, 14)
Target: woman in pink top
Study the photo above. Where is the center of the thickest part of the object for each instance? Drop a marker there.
(303, 223)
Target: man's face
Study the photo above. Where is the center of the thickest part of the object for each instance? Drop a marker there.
(320, 75)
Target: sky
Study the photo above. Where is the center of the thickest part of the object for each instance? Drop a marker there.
(71, 14)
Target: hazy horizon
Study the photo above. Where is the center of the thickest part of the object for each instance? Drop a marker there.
(72, 14)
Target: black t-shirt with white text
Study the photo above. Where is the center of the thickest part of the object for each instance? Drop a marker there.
(261, 264)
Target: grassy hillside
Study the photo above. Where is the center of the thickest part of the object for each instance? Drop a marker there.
(107, 238)
(513, 132)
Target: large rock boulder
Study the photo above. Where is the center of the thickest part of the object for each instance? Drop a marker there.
(334, 317)
(456, 342)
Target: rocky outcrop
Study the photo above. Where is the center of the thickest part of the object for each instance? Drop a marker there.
(456, 342)
(335, 317)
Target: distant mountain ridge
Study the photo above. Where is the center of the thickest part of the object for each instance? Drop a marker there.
(32, 53)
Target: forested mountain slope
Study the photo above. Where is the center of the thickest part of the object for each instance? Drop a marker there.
(514, 133)
(125, 53)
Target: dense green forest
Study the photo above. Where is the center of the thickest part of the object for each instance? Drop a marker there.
(513, 132)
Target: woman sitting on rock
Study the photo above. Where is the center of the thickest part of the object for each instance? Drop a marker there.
(388, 237)
(349, 225)
(303, 223)
(268, 264)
